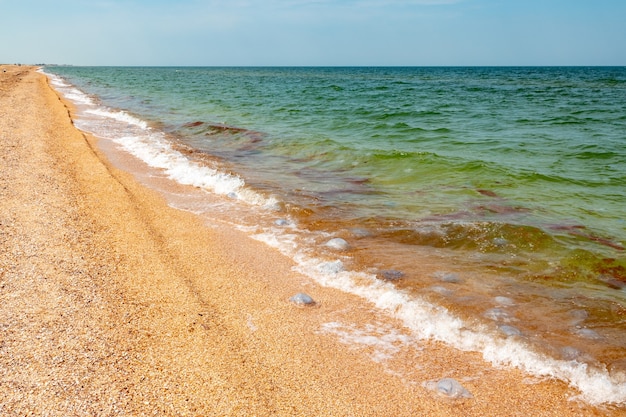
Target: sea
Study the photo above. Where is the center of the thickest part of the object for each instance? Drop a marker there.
(483, 207)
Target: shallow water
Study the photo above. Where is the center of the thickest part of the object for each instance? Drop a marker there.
(497, 193)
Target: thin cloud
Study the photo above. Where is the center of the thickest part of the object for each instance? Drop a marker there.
(334, 3)
(385, 3)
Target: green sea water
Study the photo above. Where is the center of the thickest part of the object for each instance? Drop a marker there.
(540, 148)
(514, 177)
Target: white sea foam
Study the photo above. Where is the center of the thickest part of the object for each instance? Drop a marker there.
(58, 82)
(384, 340)
(157, 153)
(136, 137)
(120, 116)
(152, 148)
(428, 321)
(78, 97)
(69, 92)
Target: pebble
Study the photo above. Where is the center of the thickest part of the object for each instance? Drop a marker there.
(338, 243)
(302, 299)
(390, 274)
(500, 242)
(497, 314)
(360, 232)
(578, 316)
(450, 388)
(510, 330)
(448, 277)
(587, 333)
(570, 353)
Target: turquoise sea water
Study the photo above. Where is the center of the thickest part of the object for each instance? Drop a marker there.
(497, 193)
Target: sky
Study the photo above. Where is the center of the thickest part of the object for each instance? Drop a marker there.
(314, 32)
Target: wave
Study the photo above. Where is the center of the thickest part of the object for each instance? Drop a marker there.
(152, 147)
(428, 321)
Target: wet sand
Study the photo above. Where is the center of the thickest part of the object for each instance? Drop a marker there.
(114, 303)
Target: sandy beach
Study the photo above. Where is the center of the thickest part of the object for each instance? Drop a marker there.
(113, 303)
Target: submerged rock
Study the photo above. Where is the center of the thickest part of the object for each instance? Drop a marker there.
(338, 243)
(487, 193)
(497, 314)
(390, 275)
(500, 242)
(448, 277)
(510, 330)
(357, 232)
(578, 316)
(302, 299)
(587, 333)
(570, 353)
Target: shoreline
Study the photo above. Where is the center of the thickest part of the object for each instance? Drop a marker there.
(115, 302)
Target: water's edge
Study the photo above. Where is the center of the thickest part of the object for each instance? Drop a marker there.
(268, 217)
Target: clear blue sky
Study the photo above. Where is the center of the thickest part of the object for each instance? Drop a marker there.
(314, 32)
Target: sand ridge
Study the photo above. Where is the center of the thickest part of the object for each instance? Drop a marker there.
(113, 303)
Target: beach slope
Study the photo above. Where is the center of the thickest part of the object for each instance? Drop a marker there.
(113, 303)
